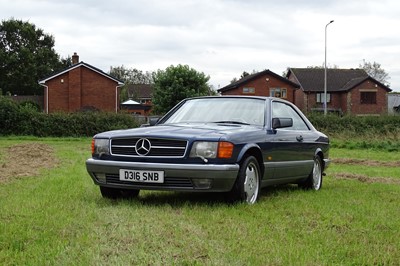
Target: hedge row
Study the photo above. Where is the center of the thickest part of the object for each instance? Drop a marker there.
(357, 125)
(25, 119)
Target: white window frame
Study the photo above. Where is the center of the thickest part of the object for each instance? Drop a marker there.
(319, 97)
(282, 91)
(249, 90)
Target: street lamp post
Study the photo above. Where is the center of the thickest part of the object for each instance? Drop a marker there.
(325, 89)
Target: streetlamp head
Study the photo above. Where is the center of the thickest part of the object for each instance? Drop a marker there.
(331, 21)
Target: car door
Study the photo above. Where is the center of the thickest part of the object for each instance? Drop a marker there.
(292, 158)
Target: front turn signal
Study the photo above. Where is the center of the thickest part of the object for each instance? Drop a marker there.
(225, 150)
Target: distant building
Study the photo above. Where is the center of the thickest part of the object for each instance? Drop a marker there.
(143, 93)
(264, 83)
(79, 87)
(136, 108)
(349, 91)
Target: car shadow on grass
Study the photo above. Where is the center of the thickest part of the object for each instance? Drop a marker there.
(179, 199)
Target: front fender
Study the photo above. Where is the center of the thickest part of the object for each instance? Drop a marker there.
(246, 148)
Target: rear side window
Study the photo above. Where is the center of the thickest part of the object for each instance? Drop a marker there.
(282, 110)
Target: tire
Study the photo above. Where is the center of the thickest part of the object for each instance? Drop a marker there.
(114, 193)
(247, 185)
(314, 180)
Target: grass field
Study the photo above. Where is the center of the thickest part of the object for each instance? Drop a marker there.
(57, 217)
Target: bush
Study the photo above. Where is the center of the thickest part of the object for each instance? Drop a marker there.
(360, 132)
(31, 105)
(357, 126)
(24, 119)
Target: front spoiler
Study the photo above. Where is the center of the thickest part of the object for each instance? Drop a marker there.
(222, 176)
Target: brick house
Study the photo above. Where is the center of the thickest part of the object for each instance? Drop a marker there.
(79, 87)
(140, 99)
(349, 91)
(264, 83)
(143, 93)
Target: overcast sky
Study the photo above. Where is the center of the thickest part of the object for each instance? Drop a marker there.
(221, 38)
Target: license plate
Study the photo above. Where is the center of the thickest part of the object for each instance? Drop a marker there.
(141, 176)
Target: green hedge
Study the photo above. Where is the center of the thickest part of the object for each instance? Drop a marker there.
(360, 132)
(363, 126)
(24, 119)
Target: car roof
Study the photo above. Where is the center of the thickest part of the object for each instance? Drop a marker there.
(265, 98)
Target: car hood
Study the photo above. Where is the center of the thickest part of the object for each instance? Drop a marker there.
(183, 131)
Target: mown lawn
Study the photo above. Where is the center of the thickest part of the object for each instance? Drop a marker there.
(58, 217)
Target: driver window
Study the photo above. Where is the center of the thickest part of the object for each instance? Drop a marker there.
(282, 110)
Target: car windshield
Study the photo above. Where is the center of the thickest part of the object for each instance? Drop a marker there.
(245, 111)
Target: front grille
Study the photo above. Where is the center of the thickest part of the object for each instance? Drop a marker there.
(158, 147)
(169, 182)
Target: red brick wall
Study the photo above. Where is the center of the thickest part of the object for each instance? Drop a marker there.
(98, 91)
(348, 102)
(75, 89)
(262, 86)
(335, 103)
(381, 99)
(300, 99)
(81, 87)
(58, 93)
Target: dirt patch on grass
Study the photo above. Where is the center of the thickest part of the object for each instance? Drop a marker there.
(367, 179)
(24, 160)
(366, 162)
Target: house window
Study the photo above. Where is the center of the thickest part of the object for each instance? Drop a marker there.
(368, 97)
(248, 90)
(278, 92)
(321, 99)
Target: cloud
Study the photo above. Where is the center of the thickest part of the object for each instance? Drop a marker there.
(221, 38)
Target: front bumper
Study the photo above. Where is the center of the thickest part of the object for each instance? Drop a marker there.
(178, 177)
(327, 162)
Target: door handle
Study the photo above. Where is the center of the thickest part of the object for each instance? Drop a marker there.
(299, 138)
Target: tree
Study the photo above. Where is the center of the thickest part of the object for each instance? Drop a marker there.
(243, 75)
(26, 56)
(374, 70)
(176, 83)
(131, 75)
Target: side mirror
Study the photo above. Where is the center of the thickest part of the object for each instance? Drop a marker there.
(153, 121)
(281, 122)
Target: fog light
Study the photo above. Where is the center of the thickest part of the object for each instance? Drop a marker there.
(100, 177)
(202, 183)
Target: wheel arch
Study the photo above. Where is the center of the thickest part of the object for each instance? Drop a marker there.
(253, 150)
(320, 154)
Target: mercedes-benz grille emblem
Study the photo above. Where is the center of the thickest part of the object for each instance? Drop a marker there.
(143, 147)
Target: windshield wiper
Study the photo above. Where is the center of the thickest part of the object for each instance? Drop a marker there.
(231, 122)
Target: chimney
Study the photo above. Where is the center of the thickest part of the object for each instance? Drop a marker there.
(75, 59)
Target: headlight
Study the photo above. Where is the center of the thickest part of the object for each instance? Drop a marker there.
(204, 149)
(100, 146)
